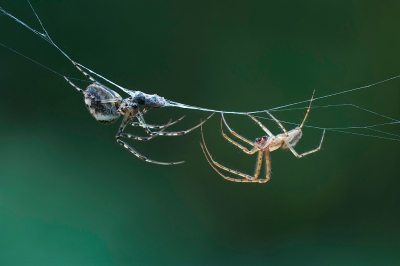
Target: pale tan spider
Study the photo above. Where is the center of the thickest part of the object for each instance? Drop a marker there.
(263, 145)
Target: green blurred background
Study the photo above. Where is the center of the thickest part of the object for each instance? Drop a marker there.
(70, 195)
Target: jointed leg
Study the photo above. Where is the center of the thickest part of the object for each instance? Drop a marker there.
(277, 121)
(261, 125)
(258, 165)
(227, 177)
(129, 148)
(137, 124)
(73, 85)
(130, 136)
(268, 165)
(244, 149)
(83, 72)
(308, 111)
(183, 132)
(308, 152)
(143, 123)
(234, 133)
(212, 162)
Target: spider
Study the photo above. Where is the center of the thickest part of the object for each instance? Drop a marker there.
(262, 145)
(105, 105)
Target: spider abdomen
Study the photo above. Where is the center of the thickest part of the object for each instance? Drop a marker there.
(293, 138)
(105, 113)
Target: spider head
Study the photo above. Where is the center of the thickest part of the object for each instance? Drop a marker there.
(262, 142)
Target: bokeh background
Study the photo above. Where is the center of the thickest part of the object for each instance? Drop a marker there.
(70, 195)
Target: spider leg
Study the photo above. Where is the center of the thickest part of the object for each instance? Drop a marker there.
(144, 110)
(129, 148)
(143, 123)
(258, 165)
(234, 133)
(244, 149)
(308, 111)
(261, 125)
(83, 72)
(308, 152)
(183, 132)
(137, 124)
(227, 177)
(268, 166)
(110, 100)
(277, 121)
(73, 85)
(130, 136)
(215, 164)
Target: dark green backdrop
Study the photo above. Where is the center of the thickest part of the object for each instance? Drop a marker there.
(69, 194)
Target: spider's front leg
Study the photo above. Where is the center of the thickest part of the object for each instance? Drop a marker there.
(290, 147)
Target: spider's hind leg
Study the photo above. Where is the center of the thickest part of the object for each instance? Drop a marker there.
(307, 152)
(83, 72)
(73, 85)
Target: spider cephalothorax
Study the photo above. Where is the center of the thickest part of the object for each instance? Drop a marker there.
(149, 100)
(262, 142)
(263, 145)
(128, 108)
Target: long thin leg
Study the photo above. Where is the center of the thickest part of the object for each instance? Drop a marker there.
(227, 177)
(258, 164)
(116, 95)
(277, 121)
(130, 136)
(183, 132)
(261, 125)
(137, 124)
(212, 162)
(140, 118)
(244, 149)
(308, 152)
(73, 85)
(268, 165)
(114, 100)
(308, 111)
(234, 133)
(83, 72)
(129, 148)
